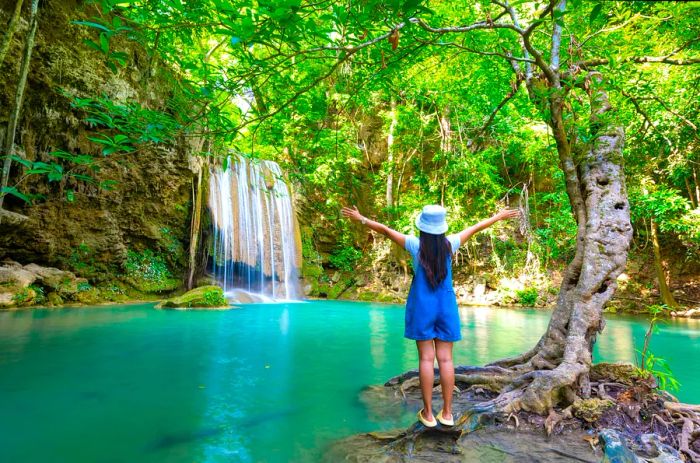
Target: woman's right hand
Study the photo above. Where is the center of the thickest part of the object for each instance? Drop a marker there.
(507, 214)
(351, 213)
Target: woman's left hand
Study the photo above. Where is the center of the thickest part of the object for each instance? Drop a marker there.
(352, 214)
(507, 214)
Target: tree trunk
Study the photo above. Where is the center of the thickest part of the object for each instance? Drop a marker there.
(555, 371)
(691, 194)
(198, 193)
(666, 295)
(19, 96)
(390, 155)
(10, 31)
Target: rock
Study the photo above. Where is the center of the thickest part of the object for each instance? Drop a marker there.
(624, 373)
(204, 297)
(616, 450)
(12, 219)
(590, 410)
(59, 280)
(245, 297)
(655, 451)
(25, 285)
(13, 275)
(479, 290)
(206, 280)
(54, 299)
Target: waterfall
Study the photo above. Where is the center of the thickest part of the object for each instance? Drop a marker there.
(256, 241)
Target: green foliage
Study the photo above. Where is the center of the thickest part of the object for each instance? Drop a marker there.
(214, 298)
(344, 258)
(647, 362)
(527, 297)
(149, 271)
(82, 260)
(32, 294)
(84, 286)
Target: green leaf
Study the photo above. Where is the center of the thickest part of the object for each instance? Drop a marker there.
(20, 160)
(104, 43)
(92, 44)
(70, 196)
(10, 190)
(93, 24)
(595, 12)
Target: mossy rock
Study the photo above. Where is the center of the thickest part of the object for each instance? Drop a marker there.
(623, 373)
(54, 299)
(367, 296)
(164, 285)
(311, 271)
(204, 297)
(592, 409)
(88, 295)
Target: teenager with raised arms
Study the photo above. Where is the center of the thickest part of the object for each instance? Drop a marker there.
(432, 317)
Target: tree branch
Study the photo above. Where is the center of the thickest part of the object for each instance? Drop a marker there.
(526, 54)
(641, 59)
(515, 86)
(646, 117)
(556, 35)
(483, 53)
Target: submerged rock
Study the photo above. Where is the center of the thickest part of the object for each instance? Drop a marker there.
(205, 297)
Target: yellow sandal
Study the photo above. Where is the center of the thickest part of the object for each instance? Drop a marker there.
(426, 423)
(445, 422)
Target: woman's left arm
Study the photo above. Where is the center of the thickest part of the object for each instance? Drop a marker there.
(393, 235)
(504, 214)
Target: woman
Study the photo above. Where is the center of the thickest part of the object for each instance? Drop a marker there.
(432, 319)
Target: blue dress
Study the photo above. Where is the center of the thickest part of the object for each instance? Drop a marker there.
(431, 313)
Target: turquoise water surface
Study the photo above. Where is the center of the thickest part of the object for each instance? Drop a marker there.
(266, 382)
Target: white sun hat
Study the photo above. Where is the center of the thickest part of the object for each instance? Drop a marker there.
(432, 220)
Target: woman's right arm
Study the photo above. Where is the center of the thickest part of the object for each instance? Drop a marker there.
(393, 235)
(465, 234)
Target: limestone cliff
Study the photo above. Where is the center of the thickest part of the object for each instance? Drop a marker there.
(137, 232)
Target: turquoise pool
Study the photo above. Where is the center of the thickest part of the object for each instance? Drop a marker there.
(272, 382)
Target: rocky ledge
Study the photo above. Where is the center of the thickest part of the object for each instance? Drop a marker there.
(32, 284)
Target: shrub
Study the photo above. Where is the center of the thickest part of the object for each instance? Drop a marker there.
(527, 296)
(148, 272)
(214, 298)
(345, 258)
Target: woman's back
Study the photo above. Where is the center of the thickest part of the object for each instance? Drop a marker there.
(413, 246)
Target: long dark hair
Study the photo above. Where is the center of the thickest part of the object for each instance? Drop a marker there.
(433, 254)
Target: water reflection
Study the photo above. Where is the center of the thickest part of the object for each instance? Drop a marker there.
(618, 338)
(377, 339)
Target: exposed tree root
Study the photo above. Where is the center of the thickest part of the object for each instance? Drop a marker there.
(498, 396)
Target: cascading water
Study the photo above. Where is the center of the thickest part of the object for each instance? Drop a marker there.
(256, 245)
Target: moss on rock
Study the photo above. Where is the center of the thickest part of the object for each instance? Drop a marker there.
(207, 297)
(592, 409)
(623, 373)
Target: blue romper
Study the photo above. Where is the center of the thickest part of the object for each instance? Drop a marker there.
(431, 313)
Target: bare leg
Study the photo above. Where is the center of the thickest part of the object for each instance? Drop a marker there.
(426, 365)
(447, 375)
